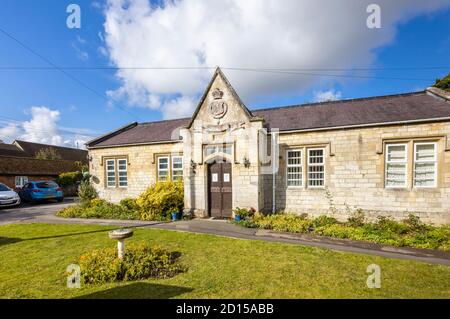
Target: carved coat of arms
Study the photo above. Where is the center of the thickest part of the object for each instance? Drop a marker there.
(218, 108)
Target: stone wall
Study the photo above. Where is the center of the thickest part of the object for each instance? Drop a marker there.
(141, 171)
(355, 174)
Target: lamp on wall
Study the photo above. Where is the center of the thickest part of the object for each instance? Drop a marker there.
(246, 162)
(193, 167)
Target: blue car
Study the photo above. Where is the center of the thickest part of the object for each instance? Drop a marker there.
(39, 191)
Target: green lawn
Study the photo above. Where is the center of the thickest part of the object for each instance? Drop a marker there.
(33, 259)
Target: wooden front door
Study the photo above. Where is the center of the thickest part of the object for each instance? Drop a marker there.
(220, 190)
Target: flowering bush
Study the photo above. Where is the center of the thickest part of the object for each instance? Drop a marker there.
(160, 200)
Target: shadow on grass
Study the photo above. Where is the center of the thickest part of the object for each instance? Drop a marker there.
(8, 240)
(139, 290)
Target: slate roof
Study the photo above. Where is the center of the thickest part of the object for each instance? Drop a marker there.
(364, 111)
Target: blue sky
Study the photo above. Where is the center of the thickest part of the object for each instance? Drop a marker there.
(417, 40)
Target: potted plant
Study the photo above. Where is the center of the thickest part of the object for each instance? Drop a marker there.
(176, 215)
(240, 213)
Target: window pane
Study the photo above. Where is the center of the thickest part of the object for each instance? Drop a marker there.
(316, 168)
(294, 168)
(396, 153)
(177, 162)
(396, 165)
(425, 152)
(425, 165)
(315, 157)
(396, 174)
(110, 173)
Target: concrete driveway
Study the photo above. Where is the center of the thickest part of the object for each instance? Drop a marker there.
(29, 213)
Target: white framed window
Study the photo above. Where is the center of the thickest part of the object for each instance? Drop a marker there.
(110, 173)
(294, 168)
(316, 167)
(20, 181)
(177, 167)
(425, 165)
(163, 168)
(122, 172)
(396, 165)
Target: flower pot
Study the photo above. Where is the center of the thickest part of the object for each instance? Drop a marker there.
(176, 216)
(237, 218)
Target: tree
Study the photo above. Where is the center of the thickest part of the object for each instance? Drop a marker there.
(443, 84)
(48, 153)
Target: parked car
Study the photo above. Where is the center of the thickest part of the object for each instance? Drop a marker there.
(40, 191)
(8, 197)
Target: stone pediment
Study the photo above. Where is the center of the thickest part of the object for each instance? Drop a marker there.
(220, 108)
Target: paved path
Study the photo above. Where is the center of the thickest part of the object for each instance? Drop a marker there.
(45, 213)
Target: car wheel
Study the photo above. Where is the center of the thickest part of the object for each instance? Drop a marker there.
(60, 199)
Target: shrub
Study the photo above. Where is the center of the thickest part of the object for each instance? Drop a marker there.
(243, 212)
(340, 231)
(97, 202)
(357, 218)
(324, 220)
(99, 208)
(388, 224)
(411, 232)
(413, 222)
(140, 261)
(160, 200)
(86, 192)
(284, 222)
(129, 203)
(69, 178)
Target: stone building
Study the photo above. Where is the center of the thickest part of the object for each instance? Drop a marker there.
(387, 155)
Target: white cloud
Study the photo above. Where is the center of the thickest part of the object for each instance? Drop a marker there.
(183, 106)
(81, 54)
(236, 33)
(9, 132)
(42, 128)
(324, 96)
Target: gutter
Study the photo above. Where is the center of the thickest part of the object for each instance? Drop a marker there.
(134, 144)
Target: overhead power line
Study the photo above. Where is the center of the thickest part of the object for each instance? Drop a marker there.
(54, 66)
(332, 75)
(7, 120)
(301, 72)
(112, 68)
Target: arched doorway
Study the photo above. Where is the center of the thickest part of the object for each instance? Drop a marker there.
(220, 188)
